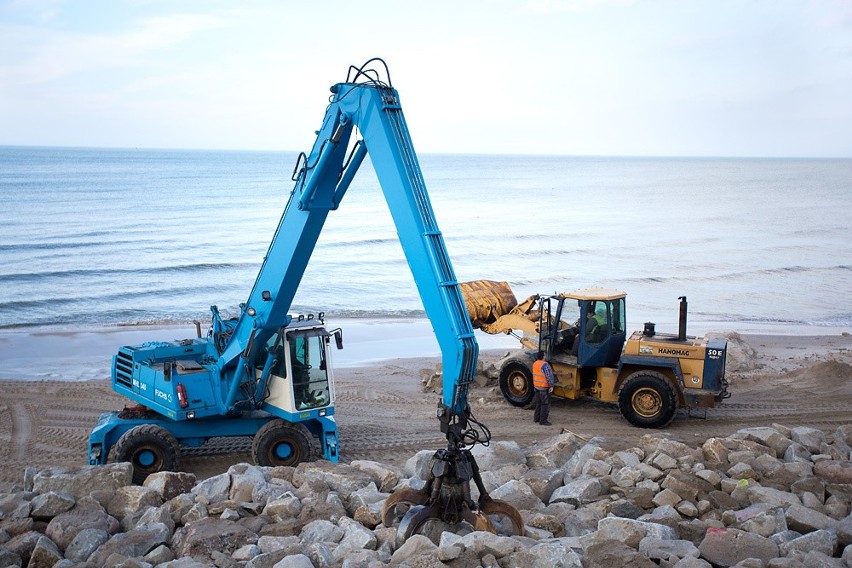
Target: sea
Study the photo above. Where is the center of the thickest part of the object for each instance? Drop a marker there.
(94, 238)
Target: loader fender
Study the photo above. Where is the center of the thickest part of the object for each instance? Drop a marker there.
(668, 366)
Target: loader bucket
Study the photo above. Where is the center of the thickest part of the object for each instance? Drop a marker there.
(487, 300)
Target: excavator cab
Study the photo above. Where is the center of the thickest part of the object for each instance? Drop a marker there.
(299, 377)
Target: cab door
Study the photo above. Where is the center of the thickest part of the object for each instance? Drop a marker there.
(602, 335)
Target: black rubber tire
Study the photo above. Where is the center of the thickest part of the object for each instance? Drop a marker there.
(149, 448)
(516, 383)
(647, 400)
(301, 444)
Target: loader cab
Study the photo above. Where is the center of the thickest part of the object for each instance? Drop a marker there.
(587, 324)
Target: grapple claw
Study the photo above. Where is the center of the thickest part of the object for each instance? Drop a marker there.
(490, 506)
(479, 521)
(446, 497)
(414, 519)
(403, 496)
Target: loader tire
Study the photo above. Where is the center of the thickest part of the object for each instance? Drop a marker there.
(647, 400)
(149, 448)
(284, 443)
(516, 383)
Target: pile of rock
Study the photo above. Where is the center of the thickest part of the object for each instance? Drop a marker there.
(768, 496)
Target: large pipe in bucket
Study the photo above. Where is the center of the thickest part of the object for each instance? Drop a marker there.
(487, 300)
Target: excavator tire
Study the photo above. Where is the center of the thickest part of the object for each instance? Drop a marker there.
(284, 443)
(647, 400)
(516, 383)
(149, 448)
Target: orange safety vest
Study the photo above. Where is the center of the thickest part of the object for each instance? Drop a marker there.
(539, 378)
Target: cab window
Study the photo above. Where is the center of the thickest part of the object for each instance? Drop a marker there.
(310, 371)
(619, 318)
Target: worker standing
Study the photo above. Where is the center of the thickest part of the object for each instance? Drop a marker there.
(543, 381)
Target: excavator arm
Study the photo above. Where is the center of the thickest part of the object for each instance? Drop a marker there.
(322, 178)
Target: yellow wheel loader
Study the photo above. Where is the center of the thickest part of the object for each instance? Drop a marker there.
(583, 336)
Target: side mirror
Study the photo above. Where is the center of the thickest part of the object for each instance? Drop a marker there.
(338, 338)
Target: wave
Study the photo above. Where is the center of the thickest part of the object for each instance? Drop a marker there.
(60, 246)
(23, 277)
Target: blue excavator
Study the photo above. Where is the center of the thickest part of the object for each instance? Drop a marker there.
(268, 375)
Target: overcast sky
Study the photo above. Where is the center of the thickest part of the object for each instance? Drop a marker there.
(584, 77)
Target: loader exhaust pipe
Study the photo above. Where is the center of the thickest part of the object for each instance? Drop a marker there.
(681, 330)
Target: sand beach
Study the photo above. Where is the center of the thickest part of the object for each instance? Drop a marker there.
(384, 412)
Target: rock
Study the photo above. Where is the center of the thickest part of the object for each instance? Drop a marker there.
(295, 561)
(715, 451)
(543, 482)
(85, 543)
(83, 481)
(742, 470)
(23, 545)
(170, 484)
(627, 531)
(726, 547)
(204, 535)
(132, 499)
(686, 485)
(824, 541)
(9, 558)
(835, 472)
(553, 452)
(805, 520)
(495, 478)
(762, 520)
(667, 549)
(245, 479)
(356, 537)
(652, 444)
(341, 478)
(159, 555)
(45, 554)
(88, 514)
(287, 506)
(768, 437)
(321, 530)
(772, 496)
(213, 489)
(519, 495)
(418, 465)
(417, 546)
(482, 543)
(612, 553)
(811, 438)
(578, 491)
(131, 544)
(384, 477)
(498, 454)
(47, 505)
